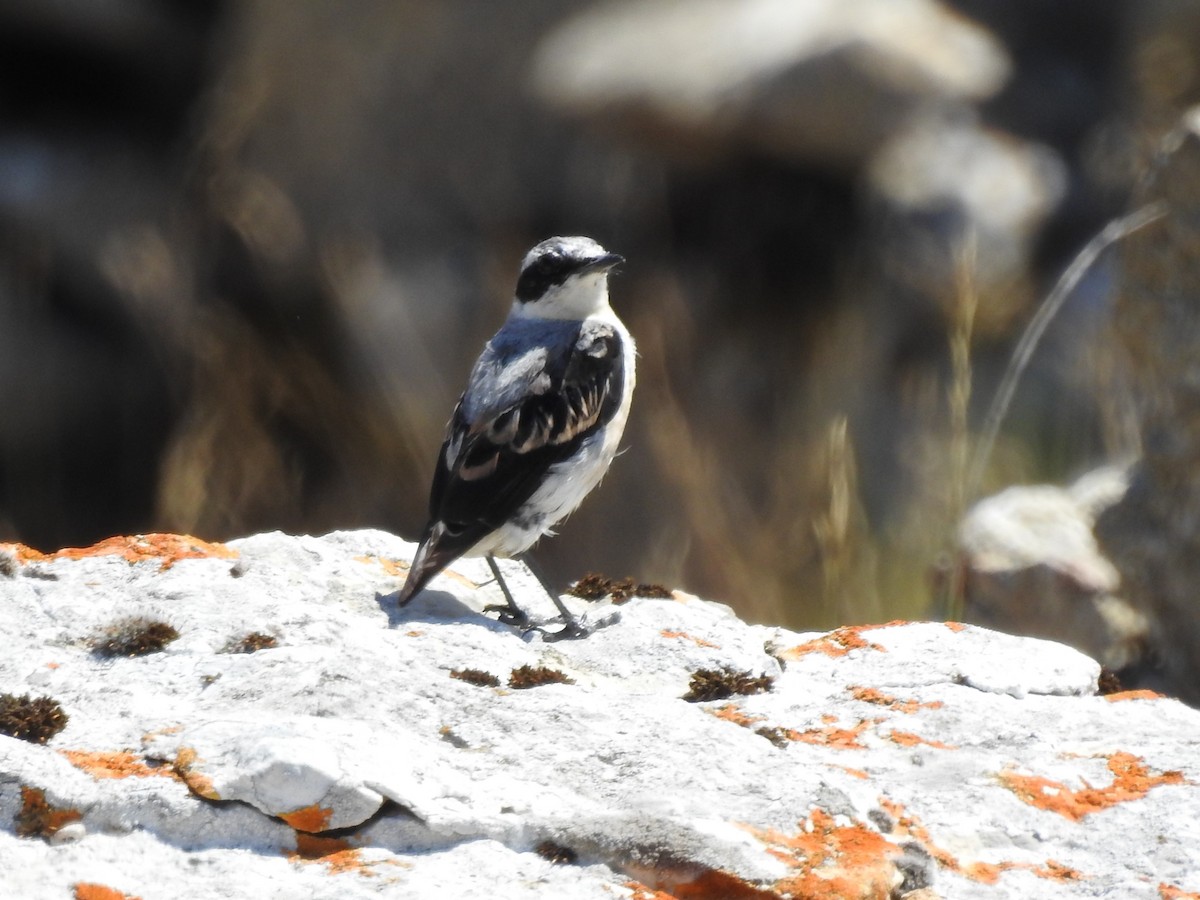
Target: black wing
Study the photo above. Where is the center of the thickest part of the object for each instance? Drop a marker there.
(488, 469)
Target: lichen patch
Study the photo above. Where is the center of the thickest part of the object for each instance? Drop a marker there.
(1132, 780)
(88, 890)
(879, 698)
(115, 764)
(731, 712)
(168, 549)
(908, 739)
(1133, 695)
(184, 765)
(838, 642)
(393, 567)
(683, 635)
(833, 735)
(832, 859)
(38, 818)
(336, 855)
(1170, 892)
(311, 819)
(907, 825)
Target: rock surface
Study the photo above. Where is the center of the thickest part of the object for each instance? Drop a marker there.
(365, 751)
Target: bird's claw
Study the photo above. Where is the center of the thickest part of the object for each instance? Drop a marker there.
(572, 630)
(510, 616)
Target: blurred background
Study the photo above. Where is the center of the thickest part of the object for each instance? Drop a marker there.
(250, 248)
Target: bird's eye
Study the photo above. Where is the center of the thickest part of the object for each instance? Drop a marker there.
(540, 275)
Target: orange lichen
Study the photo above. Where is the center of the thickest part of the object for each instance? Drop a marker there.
(699, 642)
(908, 739)
(1052, 870)
(185, 760)
(311, 818)
(1132, 780)
(393, 567)
(857, 773)
(1133, 695)
(837, 643)
(693, 883)
(115, 764)
(731, 712)
(336, 854)
(907, 825)
(311, 846)
(37, 818)
(956, 626)
(1170, 892)
(148, 736)
(879, 698)
(717, 885)
(168, 549)
(832, 736)
(831, 860)
(86, 890)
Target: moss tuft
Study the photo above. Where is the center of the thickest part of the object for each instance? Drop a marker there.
(134, 637)
(597, 587)
(477, 677)
(536, 676)
(33, 719)
(720, 684)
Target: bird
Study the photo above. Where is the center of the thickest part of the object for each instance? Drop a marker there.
(539, 423)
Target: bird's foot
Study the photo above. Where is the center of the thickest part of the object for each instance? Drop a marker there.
(576, 628)
(510, 615)
(572, 630)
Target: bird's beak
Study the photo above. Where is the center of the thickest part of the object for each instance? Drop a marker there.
(604, 263)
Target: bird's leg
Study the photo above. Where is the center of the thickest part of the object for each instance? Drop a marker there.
(571, 626)
(511, 614)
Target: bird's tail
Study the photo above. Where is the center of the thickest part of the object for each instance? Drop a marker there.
(432, 557)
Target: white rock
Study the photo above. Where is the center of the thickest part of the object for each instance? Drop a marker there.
(891, 757)
(735, 72)
(1031, 564)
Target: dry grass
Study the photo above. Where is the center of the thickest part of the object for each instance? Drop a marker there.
(962, 326)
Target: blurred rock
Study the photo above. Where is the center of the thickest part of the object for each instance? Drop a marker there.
(803, 80)
(1151, 535)
(1030, 564)
(941, 180)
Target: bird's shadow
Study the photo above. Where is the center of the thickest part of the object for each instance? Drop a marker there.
(432, 606)
(443, 607)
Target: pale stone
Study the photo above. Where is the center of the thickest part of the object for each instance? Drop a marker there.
(916, 756)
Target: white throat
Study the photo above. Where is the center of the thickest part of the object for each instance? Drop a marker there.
(577, 298)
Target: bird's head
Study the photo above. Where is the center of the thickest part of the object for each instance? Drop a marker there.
(564, 278)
